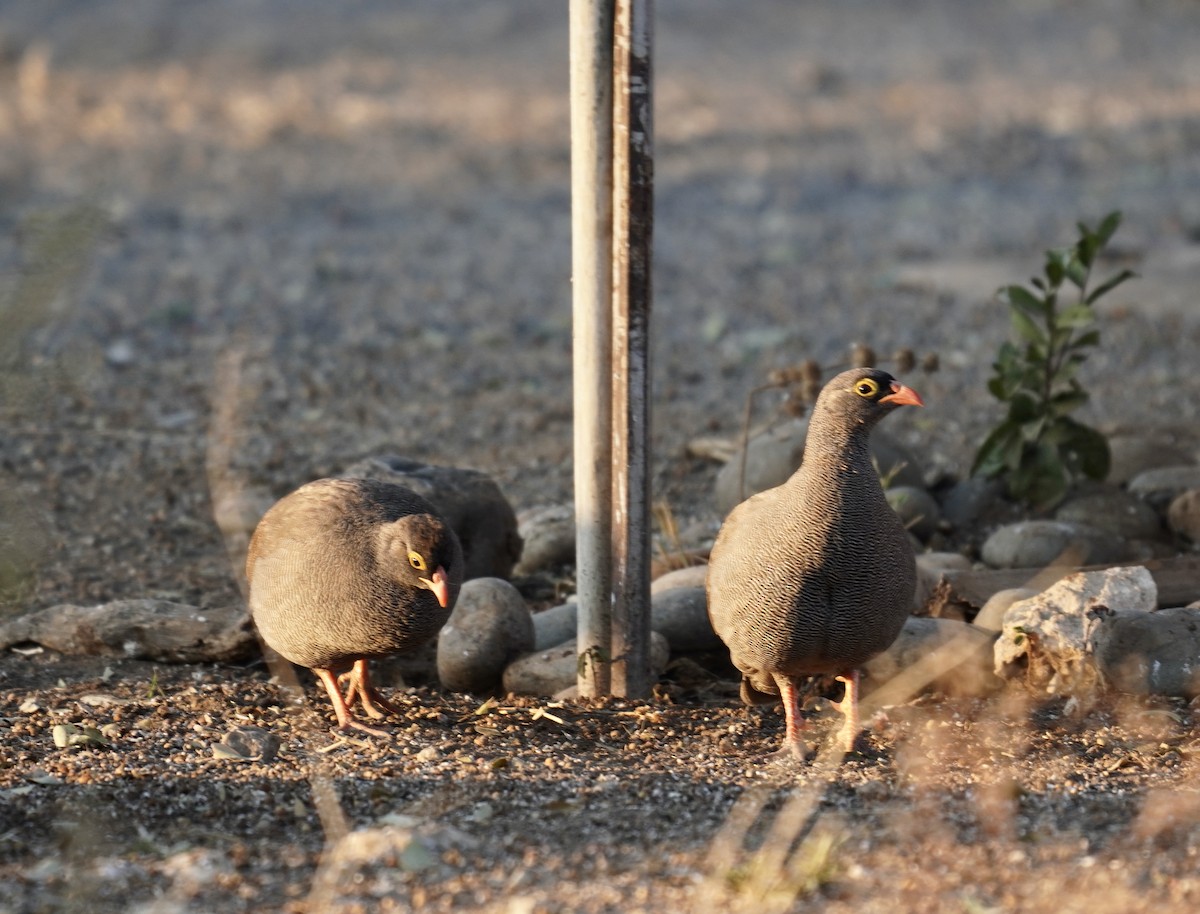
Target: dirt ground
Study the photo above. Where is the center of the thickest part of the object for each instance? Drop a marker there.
(243, 245)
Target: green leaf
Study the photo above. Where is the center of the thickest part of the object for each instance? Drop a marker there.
(1068, 401)
(1056, 265)
(1041, 480)
(1026, 327)
(1086, 248)
(1023, 407)
(1108, 226)
(1091, 338)
(1026, 301)
(1077, 272)
(1079, 315)
(1084, 448)
(1109, 284)
(998, 450)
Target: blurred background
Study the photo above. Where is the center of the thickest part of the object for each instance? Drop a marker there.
(243, 244)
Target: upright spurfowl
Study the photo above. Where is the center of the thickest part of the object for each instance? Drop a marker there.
(343, 570)
(816, 576)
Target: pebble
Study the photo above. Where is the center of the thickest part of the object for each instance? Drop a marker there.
(555, 625)
(548, 532)
(247, 744)
(1048, 639)
(145, 629)
(1183, 515)
(552, 671)
(930, 568)
(490, 627)
(1160, 486)
(1038, 543)
(692, 576)
(469, 500)
(1151, 653)
(680, 614)
(916, 508)
(965, 503)
(991, 616)
(1115, 511)
(1131, 454)
(774, 454)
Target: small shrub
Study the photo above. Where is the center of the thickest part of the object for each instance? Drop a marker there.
(1038, 449)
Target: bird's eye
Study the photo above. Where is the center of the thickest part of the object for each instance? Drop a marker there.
(866, 388)
(416, 560)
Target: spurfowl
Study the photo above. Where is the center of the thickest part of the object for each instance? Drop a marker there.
(343, 570)
(816, 576)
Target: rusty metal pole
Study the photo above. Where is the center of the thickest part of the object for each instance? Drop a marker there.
(633, 222)
(591, 24)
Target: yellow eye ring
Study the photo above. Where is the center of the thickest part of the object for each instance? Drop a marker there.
(866, 388)
(416, 560)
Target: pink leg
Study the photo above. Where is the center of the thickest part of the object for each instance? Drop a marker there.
(849, 708)
(793, 741)
(346, 720)
(360, 686)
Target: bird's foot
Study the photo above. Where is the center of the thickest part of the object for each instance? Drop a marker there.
(352, 724)
(376, 705)
(792, 752)
(360, 687)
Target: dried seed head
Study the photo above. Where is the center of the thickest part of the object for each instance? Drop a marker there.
(810, 390)
(929, 363)
(862, 356)
(905, 360)
(796, 404)
(782, 377)
(810, 371)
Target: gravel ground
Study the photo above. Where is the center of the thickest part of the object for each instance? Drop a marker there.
(244, 245)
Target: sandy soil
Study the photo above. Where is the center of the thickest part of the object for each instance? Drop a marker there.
(244, 245)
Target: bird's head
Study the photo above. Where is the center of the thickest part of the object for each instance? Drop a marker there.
(422, 551)
(865, 395)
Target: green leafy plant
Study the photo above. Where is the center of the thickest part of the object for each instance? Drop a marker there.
(1038, 449)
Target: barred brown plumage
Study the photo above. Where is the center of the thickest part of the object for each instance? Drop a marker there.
(343, 570)
(816, 576)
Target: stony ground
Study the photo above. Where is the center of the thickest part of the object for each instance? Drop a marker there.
(245, 245)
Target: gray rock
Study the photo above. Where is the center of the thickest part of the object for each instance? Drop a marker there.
(916, 508)
(1159, 487)
(138, 629)
(951, 656)
(469, 500)
(966, 502)
(247, 744)
(692, 576)
(1183, 516)
(930, 568)
(548, 532)
(991, 616)
(1114, 511)
(555, 625)
(489, 628)
(1133, 453)
(774, 454)
(680, 614)
(1038, 543)
(1151, 653)
(1049, 638)
(551, 672)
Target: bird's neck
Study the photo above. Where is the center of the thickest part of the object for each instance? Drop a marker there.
(834, 450)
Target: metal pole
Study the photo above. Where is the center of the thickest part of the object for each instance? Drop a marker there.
(633, 222)
(591, 24)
